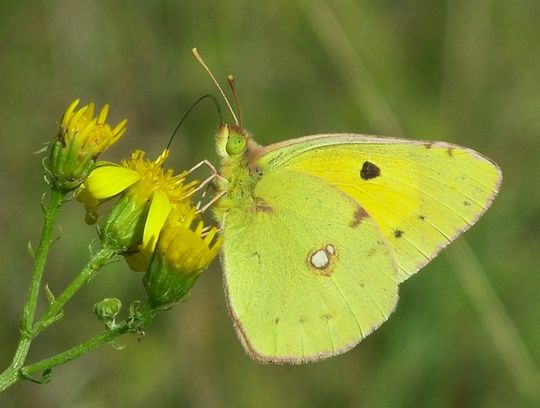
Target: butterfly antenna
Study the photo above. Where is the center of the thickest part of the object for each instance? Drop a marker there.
(202, 98)
(199, 58)
(232, 85)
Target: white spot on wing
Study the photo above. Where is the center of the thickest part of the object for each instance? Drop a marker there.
(320, 259)
(330, 249)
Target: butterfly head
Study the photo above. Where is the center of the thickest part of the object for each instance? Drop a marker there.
(231, 141)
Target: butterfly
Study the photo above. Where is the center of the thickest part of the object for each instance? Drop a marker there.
(320, 231)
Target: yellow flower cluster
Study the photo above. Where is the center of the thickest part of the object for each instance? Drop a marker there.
(154, 224)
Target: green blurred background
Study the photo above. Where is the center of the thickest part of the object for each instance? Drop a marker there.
(467, 328)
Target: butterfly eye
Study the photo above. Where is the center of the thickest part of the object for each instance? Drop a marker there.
(236, 144)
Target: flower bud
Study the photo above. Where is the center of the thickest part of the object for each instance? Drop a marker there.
(107, 309)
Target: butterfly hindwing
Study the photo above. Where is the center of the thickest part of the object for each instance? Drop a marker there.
(308, 273)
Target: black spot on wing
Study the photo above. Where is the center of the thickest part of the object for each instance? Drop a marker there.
(369, 171)
(398, 233)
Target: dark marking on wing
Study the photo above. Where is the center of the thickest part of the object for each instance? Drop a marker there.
(398, 233)
(422, 217)
(358, 216)
(466, 203)
(261, 206)
(258, 256)
(369, 171)
(371, 252)
(450, 151)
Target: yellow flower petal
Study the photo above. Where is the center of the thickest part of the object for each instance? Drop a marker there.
(157, 215)
(69, 112)
(107, 181)
(90, 204)
(102, 118)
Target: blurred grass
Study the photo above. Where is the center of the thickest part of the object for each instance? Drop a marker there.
(465, 72)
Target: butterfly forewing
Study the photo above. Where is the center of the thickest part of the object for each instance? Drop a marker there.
(421, 195)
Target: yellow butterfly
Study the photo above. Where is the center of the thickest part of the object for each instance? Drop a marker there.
(320, 231)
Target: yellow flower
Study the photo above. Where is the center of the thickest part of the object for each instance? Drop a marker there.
(91, 134)
(81, 139)
(184, 250)
(148, 194)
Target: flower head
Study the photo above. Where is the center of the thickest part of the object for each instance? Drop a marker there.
(81, 139)
(148, 194)
(184, 250)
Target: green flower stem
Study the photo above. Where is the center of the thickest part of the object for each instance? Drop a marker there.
(138, 322)
(54, 312)
(51, 211)
(9, 377)
(40, 258)
(29, 330)
(29, 310)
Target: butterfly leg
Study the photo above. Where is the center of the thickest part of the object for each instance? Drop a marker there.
(204, 162)
(210, 178)
(213, 201)
(205, 182)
